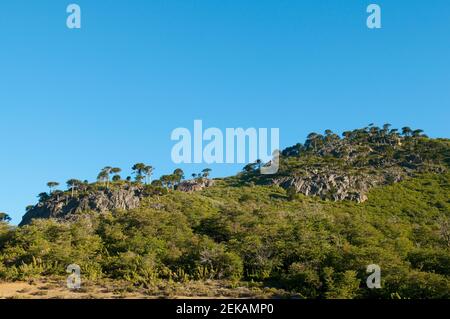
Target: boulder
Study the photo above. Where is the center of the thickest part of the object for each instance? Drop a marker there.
(195, 185)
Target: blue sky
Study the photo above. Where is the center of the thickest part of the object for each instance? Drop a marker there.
(74, 101)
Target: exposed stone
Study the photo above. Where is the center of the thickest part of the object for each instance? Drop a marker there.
(194, 185)
(63, 205)
(336, 186)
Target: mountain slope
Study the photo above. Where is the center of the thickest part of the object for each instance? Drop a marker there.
(325, 166)
(251, 229)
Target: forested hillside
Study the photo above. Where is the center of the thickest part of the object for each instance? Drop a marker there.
(337, 205)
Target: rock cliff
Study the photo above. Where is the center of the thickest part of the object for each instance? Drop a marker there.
(62, 205)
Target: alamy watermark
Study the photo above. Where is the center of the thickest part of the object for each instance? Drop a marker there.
(374, 19)
(236, 146)
(74, 19)
(374, 280)
(74, 279)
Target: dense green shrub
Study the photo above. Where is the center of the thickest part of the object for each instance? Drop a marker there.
(317, 249)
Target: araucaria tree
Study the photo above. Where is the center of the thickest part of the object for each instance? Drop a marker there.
(142, 171)
(73, 184)
(206, 172)
(105, 173)
(4, 217)
(148, 172)
(116, 171)
(178, 175)
(52, 185)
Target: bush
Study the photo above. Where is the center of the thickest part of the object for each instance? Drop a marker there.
(417, 285)
(303, 279)
(427, 260)
(340, 285)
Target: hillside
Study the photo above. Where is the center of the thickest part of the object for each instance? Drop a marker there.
(337, 205)
(325, 166)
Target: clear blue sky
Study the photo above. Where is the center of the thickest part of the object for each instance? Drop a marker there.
(73, 101)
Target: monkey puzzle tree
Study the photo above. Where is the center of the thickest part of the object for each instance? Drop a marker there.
(406, 131)
(52, 185)
(116, 171)
(417, 133)
(157, 183)
(142, 171)
(73, 184)
(4, 217)
(165, 180)
(313, 140)
(206, 172)
(43, 197)
(103, 177)
(148, 172)
(105, 173)
(84, 186)
(169, 181)
(138, 171)
(179, 175)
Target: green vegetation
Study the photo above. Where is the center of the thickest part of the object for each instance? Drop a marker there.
(247, 231)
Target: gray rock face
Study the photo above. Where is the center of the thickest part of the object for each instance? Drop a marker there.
(195, 185)
(336, 186)
(63, 205)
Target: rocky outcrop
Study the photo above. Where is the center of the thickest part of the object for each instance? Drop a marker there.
(194, 185)
(345, 168)
(335, 185)
(63, 205)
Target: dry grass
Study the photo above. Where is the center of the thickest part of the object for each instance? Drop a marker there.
(55, 288)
